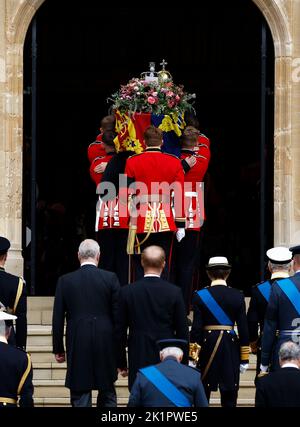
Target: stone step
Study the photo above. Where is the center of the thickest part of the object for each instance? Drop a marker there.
(65, 401)
(55, 388)
(240, 402)
(122, 402)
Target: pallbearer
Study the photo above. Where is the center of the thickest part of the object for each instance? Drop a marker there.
(186, 252)
(153, 176)
(96, 148)
(111, 218)
(223, 354)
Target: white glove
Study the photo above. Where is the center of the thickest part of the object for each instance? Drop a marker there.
(244, 367)
(180, 234)
(192, 364)
(263, 368)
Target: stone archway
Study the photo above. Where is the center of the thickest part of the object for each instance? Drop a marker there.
(15, 18)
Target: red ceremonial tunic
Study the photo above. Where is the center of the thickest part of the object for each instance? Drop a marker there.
(203, 147)
(153, 173)
(194, 197)
(96, 177)
(109, 213)
(96, 149)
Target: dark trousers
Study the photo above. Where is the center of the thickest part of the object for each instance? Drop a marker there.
(165, 241)
(184, 262)
(113, 256)
(228, 397)
(105, 398)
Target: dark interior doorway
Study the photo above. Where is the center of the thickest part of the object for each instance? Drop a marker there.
(82, 58)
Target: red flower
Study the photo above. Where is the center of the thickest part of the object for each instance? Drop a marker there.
(152, 100)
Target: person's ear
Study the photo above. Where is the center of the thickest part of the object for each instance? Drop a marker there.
(160, 355)
(78, 256)
(7, 332)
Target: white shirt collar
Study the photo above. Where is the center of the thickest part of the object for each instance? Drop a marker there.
(3, 339)
(218, 282)
(280, 275)
(290, 365)
(298, 271)
(88, 263)
(151, 275)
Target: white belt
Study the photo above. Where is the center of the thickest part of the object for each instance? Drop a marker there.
(191, 194)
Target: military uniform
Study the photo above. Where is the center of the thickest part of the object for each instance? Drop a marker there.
(216, 310)
(15, 373)
(203, 146)
(278, 312)
(186, 250)
(96, 149)
(16, 377)
(260, 295)
(155, 222)
(13, 297)
(97, 177)
(184, 381)
(112, 221)
(281, 320)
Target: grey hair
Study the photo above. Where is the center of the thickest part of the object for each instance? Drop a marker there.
(88, 249)
(2, 328)
(171, 351)
(279, 267)
(289, 351)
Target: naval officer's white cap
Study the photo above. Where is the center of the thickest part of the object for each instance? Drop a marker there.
(279, 255)
(6, 316)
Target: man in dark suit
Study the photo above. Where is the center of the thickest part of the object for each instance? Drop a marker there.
(15, 369)
(169, 383)
(152, 309)
(279, 264)
(13, 298)
(223, 354)
(281, 388)
(282, 316)
(88, 299)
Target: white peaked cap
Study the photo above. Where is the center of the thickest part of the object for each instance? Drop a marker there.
(6, 316)
(279, 255)
(218, 261)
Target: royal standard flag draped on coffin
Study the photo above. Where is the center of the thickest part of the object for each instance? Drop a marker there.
(130, 128)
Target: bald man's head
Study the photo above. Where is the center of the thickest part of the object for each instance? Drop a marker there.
(153, 258)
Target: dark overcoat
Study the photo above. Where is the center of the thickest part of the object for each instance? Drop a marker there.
(88, 299)
(279, 389)
(152, 309)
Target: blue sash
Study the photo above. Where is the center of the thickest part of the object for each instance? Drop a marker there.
(165, 386)
(214, 307)
(289, 288)
(265, 290)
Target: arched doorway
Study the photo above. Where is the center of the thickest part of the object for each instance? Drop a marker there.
(81, 61)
